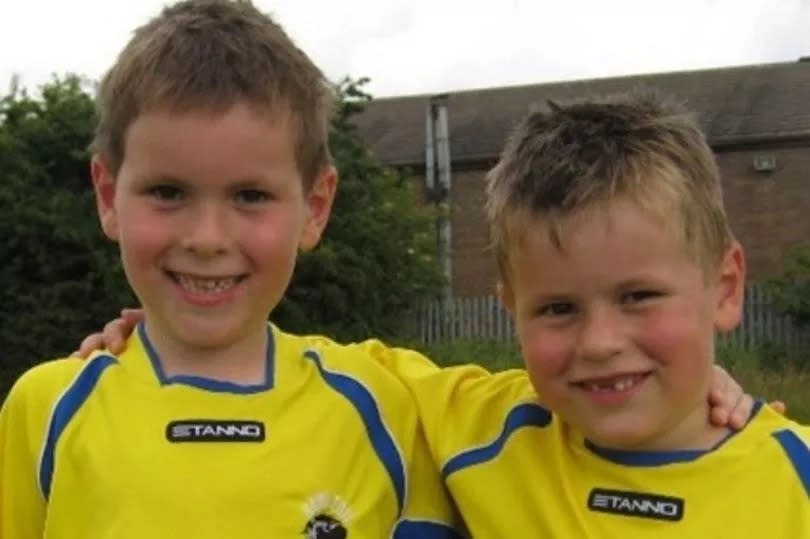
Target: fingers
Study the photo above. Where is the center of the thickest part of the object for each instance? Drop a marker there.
(115, 334)
(132, 316)
(731, 407)
(779, 406)
(741, 411)
(719, 416)
(740, 404)
(89, 344)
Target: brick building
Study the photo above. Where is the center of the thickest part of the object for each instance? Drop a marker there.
(757, 119)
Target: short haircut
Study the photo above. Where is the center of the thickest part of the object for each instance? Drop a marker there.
(639, 145)
(212, 54)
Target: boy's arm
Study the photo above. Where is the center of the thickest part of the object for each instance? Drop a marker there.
(454, 404)
(22, 507)
(730, 405)
(428, 512)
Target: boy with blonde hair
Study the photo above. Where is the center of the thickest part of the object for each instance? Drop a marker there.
(618, 267)
(211, 171)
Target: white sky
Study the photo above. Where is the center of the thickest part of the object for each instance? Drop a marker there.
(431, 46)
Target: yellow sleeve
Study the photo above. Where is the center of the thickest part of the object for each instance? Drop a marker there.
(22, 507)
(24, 420)
(428, 512)
(459, 407)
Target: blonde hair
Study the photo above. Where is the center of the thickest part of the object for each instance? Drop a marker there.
(573, 157)
(211, 54)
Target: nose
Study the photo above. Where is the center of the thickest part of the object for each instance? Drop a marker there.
(601, 336)
(207, 233)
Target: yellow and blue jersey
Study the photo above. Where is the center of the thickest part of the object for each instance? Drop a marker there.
(515, 469)
(329, 446)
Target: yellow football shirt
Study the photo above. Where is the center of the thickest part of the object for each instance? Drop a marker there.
(515, 469)
(328, 447)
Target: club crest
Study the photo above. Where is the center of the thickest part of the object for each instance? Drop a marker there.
(327, 517)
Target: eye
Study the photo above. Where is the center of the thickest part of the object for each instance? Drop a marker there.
(639, 296)
(166, 193)
(251, 196)
(557, 308)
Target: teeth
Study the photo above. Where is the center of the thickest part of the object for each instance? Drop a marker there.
(205, 286)
(619, 384)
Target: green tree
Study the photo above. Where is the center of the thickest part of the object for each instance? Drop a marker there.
(791, 290)
(62, 279)
(377, 260)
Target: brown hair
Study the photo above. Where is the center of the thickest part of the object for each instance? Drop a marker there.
(211, 54)
(640, 146)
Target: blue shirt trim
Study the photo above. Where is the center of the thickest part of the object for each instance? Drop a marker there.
(210, 384)
(64, 410)
(424, 529)
(524, 415)
(378, 433)
(662, 458)
(798, 453)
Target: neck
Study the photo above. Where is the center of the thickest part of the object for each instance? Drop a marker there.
(691, 432)
(242, 362)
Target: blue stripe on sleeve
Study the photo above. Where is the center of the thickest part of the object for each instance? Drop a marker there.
(64, 410)
(423, 529)
(798, 453)
(524, 415)
(381, 439)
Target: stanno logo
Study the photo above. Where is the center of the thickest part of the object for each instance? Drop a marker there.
(209, 430)
(636, 504)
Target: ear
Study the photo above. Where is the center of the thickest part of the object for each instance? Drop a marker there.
(731, 289)
(506, 297)
(104, 186)
(319, 205)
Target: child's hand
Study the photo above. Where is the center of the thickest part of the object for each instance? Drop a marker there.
(730, 407)
(114, 335)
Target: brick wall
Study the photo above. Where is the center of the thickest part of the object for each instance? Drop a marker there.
(769, 213)
(474, 271)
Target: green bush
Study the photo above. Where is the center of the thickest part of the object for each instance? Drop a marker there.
(791, 290)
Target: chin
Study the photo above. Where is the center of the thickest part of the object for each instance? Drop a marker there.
(213, 334)
(625, 435)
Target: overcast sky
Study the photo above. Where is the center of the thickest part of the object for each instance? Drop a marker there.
(433, 46)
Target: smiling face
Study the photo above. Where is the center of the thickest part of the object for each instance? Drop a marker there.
(616, 326)
(209, 210)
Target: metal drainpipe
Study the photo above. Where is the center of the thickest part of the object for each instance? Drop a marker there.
(438, 178)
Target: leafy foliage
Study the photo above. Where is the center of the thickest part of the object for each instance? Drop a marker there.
(62, 279)
(378, 257)
(791, 290)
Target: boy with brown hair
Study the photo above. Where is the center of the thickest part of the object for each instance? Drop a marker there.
(211, 171)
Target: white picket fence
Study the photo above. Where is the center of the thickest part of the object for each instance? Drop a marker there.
(485, 318)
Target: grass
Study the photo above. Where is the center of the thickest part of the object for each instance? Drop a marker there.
(771, 374)
(767, 373)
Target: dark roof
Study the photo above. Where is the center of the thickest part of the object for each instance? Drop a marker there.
(734, 105)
